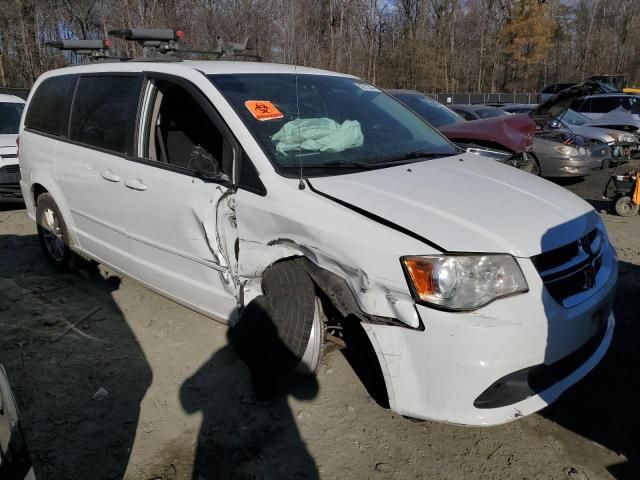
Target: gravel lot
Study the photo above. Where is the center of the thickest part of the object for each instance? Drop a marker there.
(142, 388)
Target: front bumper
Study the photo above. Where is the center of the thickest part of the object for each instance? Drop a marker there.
(439, 373)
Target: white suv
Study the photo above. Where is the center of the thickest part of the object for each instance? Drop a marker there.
(257, 193)
(10, 112)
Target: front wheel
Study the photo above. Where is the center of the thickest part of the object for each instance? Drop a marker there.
(535, 166)
(53, 235)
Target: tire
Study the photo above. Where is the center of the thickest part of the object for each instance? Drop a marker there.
(273, 333)
(53, 235)
(535, 168)
(625, 208)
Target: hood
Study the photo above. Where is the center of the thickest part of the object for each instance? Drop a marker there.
(468, 204)
(8, 140)
(555, 105)
(619, 119)
(8, 145)
(513, 132)
(595, 133)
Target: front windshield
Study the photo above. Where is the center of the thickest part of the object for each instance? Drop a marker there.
(10, 114)
(574, 118)
(432, 111)
(333, 122)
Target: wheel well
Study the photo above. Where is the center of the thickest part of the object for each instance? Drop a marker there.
(339, 303)
(37, 190)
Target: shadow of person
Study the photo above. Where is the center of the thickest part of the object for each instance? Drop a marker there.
(601, 407)
(248, 429)
(76, 368)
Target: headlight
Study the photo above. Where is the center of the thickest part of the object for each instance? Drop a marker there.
(623, 137)
(567, 150)
(488, 153)
(628, 138)
(463, 282)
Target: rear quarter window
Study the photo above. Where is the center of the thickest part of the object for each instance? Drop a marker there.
(49, 107)
(104, 111)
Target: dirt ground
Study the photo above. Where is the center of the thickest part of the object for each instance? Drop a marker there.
(142, 388)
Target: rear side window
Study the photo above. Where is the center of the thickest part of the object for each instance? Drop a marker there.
(49, 108)
(604, 104)
(104, 112)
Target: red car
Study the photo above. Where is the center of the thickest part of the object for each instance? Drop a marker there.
(506, 139)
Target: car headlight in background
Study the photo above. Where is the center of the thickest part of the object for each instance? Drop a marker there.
(463, 282)
(567, 150)
(489, 153)
(624, 137)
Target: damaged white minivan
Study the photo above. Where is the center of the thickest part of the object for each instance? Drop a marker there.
(484, 291)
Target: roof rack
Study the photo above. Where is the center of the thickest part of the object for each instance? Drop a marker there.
(160, 42)
(153, 40)
(96, 49)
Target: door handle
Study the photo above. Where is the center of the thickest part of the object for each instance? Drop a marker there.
(109, 175)
(135, 184)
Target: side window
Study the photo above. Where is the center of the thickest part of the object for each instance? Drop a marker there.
(104, 112)
(635, 105)
(49, 107)
(181, 133)
(604, 104)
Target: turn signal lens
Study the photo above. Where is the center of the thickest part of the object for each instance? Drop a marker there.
(421, 272)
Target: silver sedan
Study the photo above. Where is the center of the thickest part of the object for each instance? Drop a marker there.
(555, 159)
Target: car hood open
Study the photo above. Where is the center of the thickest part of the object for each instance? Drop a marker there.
(513, 132)
(467, 203)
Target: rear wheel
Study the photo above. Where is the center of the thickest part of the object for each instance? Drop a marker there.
(53, 234)
(625, 208)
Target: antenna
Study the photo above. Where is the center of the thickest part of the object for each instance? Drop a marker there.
(301, 184)
(97, 49)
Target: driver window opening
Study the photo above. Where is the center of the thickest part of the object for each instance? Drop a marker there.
(181, 133)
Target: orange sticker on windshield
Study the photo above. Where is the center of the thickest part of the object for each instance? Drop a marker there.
(263, 110)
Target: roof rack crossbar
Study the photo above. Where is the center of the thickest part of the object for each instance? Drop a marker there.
(97, 49)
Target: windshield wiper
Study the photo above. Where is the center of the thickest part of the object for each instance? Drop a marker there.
(335, 164)
(346, 163)
(414, 156)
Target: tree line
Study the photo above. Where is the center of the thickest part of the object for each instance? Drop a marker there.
(426, 45)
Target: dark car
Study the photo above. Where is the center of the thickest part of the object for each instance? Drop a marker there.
(552, 89)
(477, 112)
(506, 138)
(519, 107)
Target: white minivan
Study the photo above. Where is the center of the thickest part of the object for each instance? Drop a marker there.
(484, 291)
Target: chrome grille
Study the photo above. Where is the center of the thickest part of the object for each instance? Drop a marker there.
(10, 169)
(571, 269)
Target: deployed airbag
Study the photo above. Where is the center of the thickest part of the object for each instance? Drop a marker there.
(318, 134)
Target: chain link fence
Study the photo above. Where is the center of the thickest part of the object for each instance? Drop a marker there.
(482, 98)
